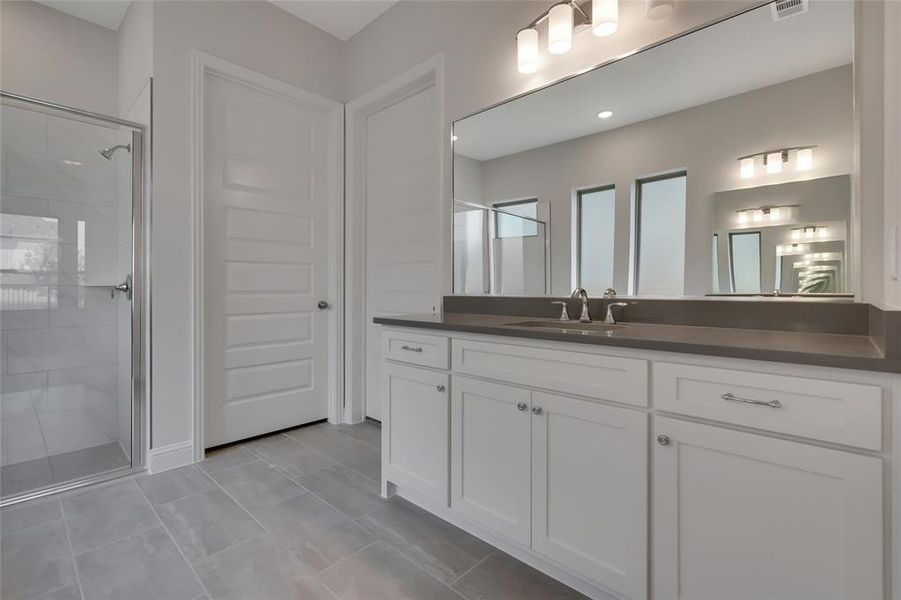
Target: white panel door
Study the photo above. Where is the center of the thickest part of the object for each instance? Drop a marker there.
(590, 490)
(403, 220)
(491, 456)
(738, 515)
(266, 184)
(415, 435)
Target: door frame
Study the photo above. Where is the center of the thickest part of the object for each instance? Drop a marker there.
(429, 73)
(201, 65)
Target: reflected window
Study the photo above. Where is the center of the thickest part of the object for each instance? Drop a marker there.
(595, 226)
(508, 225)
(715, 276)
(660, 233)
(29, 260)
(744, 257)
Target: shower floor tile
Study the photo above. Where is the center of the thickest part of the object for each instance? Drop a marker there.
(58, 468)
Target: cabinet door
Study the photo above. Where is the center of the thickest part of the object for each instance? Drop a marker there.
(739, 515)
(590, 490)
(490, 448)
(415, 446)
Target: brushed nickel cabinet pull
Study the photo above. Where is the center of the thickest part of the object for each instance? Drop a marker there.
(730, 397)
(411, 348)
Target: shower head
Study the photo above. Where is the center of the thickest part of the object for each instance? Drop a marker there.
(108, 152)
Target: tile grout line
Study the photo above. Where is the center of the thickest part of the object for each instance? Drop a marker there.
(337, 461)
(172, 539)
(62, 512)
(494, 551)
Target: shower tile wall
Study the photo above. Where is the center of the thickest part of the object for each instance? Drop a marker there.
(58, 228)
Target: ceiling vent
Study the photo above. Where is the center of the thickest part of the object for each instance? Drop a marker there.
(783, 9)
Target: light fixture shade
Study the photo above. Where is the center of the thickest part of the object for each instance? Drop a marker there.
(527, 50)
(775, 214)
(758, 216)
(659, 9)
(743, 217)
(823, 232)
(604, 17)
(804, 159)
(774, 162)
(560, 29)
(747, 167)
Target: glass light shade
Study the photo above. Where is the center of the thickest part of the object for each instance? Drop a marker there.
(796, 234)
(743, 217)
(747, 167)
(560, 29)
(527, 50)
(804, 159)
(604, 17)
(774, 162)
(775, 215)
(823, 232)
(808, 233)
(758, 216)
(659, 9)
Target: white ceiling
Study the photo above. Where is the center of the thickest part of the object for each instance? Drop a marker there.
(106, 13)
(341, 18)
(734, 57)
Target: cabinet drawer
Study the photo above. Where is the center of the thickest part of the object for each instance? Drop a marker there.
(416, 348)
(832, 411)
(595, 376)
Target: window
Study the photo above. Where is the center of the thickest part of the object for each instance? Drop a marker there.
(744, 262)
(660, 235)
(507, 225)
(715, 276)
(595, 226)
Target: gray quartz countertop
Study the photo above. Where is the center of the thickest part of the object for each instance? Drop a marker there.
(824, 349)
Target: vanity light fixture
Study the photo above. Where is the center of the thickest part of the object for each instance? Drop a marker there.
(527, 50)
(773, 160)
(659, 9)
(605, 114)
(561, 20)
(604, 17)
(810, 232)
(760, 214)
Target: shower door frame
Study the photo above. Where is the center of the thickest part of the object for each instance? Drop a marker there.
(140, 234)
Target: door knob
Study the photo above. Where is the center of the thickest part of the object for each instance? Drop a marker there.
(521, 406)
(663, 440)
(439, 387)
(124, 287)
(322, 305)
(536, 410)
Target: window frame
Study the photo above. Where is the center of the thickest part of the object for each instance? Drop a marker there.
(577, 259)
(636, 234)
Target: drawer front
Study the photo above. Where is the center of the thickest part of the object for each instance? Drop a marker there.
(416, 348)
(832, 411)
(595, 376)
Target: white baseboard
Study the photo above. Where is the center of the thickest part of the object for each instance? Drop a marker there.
(170, 457)
(524, 554)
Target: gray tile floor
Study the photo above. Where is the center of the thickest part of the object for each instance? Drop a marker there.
(289, 516)
(34, 474)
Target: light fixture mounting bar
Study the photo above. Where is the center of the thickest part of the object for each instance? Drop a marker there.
(774, 150)
(581, 17)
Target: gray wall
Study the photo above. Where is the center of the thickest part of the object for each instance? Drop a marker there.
(53, 56)
(705, 140)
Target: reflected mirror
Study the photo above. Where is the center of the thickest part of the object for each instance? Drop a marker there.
(717, 163)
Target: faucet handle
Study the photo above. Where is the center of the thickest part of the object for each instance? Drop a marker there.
(564, 314)
(610, 293)
(609, 318)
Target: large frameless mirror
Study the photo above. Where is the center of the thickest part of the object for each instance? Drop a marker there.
(717, 163)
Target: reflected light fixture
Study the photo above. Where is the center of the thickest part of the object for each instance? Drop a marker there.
(560, 29)
(604, 17)
(773, 162)
(527, 50)
(659, 9)
(747, 167)
(605, 114)
(804, 159)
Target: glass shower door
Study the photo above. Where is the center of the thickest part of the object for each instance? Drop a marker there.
(66, 300)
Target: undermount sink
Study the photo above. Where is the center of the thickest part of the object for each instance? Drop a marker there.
(571, 325)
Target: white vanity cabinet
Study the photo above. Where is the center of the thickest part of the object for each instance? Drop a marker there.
(739, 515)
(645, 474)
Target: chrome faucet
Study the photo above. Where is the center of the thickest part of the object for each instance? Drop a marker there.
(564, 314)
(582, 295)
(609, 318)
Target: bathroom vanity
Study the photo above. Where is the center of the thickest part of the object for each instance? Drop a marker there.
(647, 473)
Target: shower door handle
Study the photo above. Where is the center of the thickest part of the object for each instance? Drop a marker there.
(124, 287)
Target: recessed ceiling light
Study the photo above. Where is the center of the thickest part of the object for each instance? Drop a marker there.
(605, 114)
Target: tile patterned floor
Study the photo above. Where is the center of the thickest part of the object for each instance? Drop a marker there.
(29, 475)
(289, 516)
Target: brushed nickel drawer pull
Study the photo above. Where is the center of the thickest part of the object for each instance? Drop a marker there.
(730, 397)
(411, 348)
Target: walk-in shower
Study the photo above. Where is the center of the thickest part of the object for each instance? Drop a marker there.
(70, 329)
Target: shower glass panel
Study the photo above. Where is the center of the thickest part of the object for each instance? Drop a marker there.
(66, 241)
